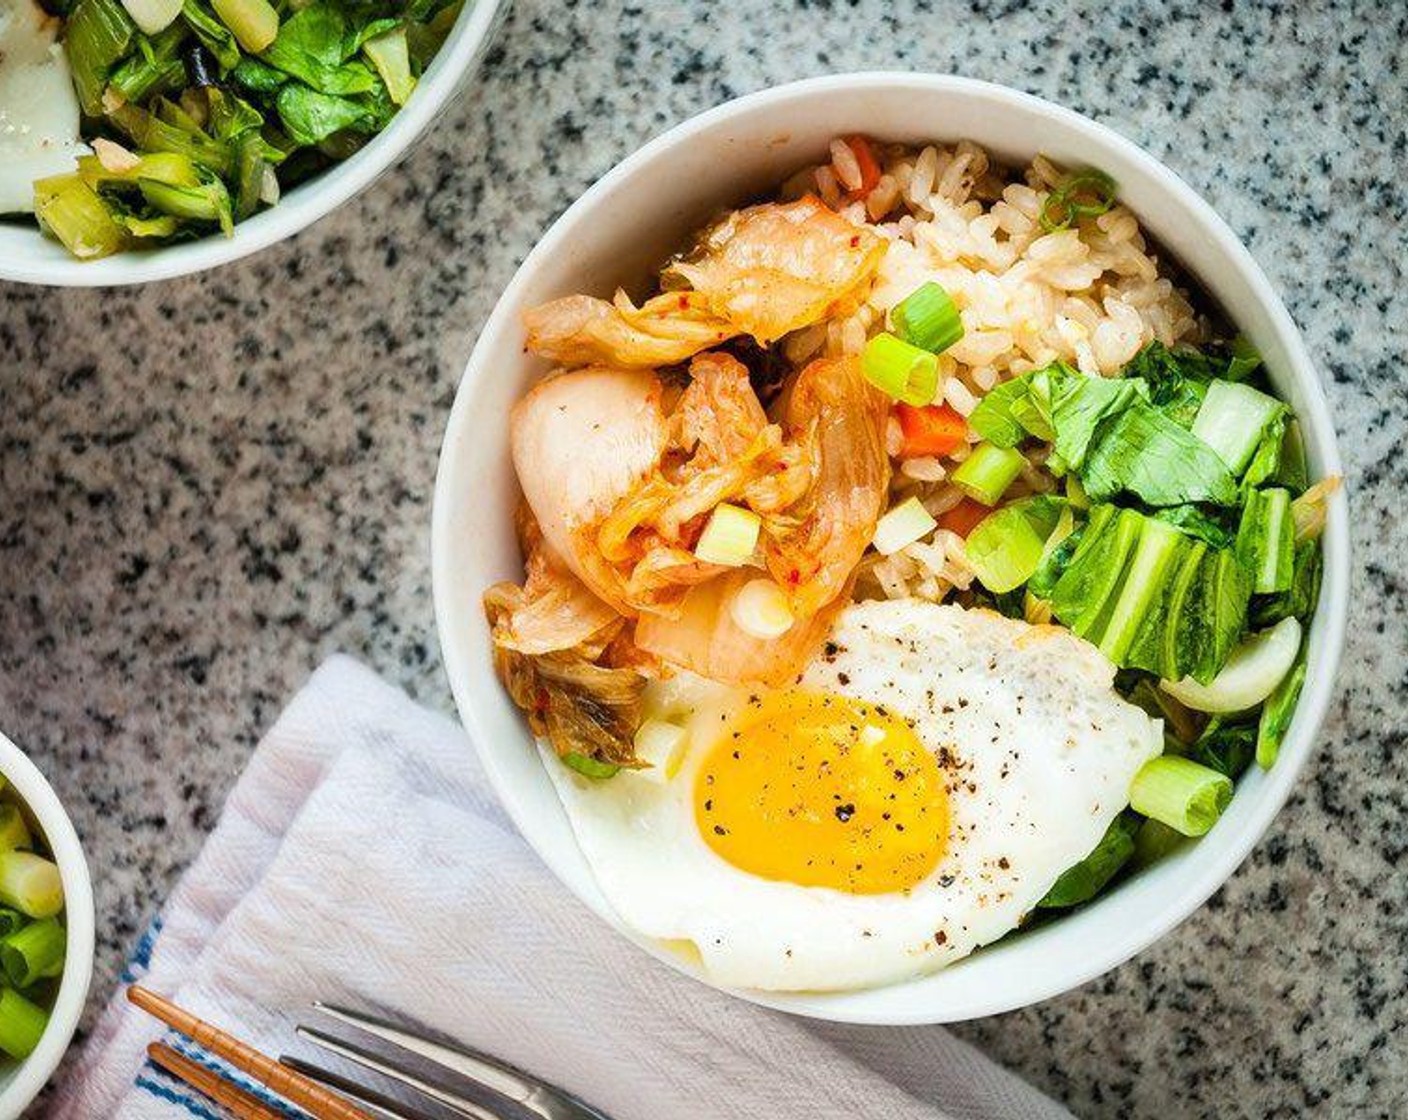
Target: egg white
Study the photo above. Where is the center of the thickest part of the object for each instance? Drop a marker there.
(1038, 752)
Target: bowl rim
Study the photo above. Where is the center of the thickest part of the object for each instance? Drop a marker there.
(1332, 613)
(31, 1075)
(305, 204)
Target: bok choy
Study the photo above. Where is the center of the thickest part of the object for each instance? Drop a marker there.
(257, 95)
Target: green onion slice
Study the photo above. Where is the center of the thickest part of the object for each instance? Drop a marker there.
(988, 471)
(901, 370)
(927, 318)
(1181, 793)
(1085, 194)
(589, 767)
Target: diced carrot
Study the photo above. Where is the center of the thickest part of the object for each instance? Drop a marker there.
(869, 165)
(933, 429)
(962, 518)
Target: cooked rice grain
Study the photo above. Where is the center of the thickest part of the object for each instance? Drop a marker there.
(1091, 295)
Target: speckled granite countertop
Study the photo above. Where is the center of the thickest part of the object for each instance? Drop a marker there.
(207, 486)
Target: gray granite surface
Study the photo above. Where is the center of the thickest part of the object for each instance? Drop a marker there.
(209, 485)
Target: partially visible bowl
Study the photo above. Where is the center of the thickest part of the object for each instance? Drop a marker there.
(629, 222)
(28, 256)
(20, 1082)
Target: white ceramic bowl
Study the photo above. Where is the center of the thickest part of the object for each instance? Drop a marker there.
(29, 257)
(628, 222)
(20, 1082)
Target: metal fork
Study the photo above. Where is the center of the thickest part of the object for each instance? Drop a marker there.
(520, 1092)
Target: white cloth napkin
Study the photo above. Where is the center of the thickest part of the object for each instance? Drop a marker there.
(362, 860)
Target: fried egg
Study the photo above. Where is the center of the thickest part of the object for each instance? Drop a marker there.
(909, 798)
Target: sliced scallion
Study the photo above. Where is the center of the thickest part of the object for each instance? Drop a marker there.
(988, 471)
(31, 884)
(729, 536)
(1184, 795)
(761, 608)
(928, 319)
(14, 832)
(34, 952)
(1085, 194)
(254, 23)
(660, 744)
(22, 1024)
(589, 767)
(901, 370)
(903, 525)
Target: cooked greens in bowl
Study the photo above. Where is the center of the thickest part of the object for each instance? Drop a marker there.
(33, 937)
(141, 123)
(920, 551)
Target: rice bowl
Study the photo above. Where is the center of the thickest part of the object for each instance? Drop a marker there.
(770, 137)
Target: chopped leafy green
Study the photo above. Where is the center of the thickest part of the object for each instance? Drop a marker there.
(1159, 550)
(1078, 406)
(1266, 540)
(1084, 595)
(993, 418)
(1214, 524)
(1233, 421)
(97, 37)
(311, 117)
(213, 35)
(316, 45)
(1213, 617)
(1091, 875)
(1225, 747)
(1266, 459)
(1142, 452)
(1157, 646)
(1277, 712)
(1299, 600)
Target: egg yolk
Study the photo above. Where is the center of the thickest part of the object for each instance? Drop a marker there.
(823, 791)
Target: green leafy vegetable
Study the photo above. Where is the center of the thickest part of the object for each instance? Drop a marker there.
(1142, 452)
(389, 54)
(1213, 617)
(96, 37)
(1300, 599)
(1226, 748)
(1214, 524)
(1158, 550)
(1276, 714)
(213, 35)
(1084, 595)
(1266, 540)
(311, 117)
(316, 45)
(1160, 642)
(1234, 419)
(1091, 875)
(1078, 405)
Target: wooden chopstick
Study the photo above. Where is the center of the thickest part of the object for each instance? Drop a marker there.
(319, 1102)
(243, 1105)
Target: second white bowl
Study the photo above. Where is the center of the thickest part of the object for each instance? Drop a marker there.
(20, 1082)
